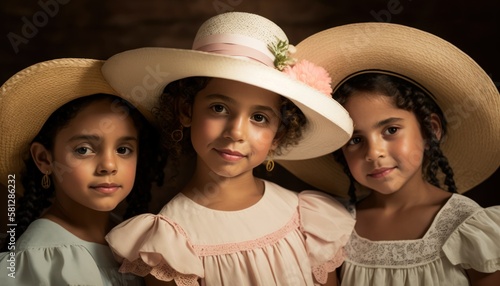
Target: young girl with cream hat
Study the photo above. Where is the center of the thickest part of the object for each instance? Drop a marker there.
(71, 150)
(234, 101)
(426, 128)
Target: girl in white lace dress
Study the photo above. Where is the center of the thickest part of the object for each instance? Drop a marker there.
(425, 129)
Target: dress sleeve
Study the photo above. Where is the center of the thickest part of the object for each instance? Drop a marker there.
(154, 244)
(327, 226)
(61, 265)
(476, 242)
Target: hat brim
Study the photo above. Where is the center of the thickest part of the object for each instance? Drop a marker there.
(465, 93)
(29, 97)
(141, 75)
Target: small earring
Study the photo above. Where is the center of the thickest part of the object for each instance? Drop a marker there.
(270, 163)
(177, 135)
(46, 180)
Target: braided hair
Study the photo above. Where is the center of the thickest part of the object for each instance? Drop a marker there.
(151, 160)
(409, 97)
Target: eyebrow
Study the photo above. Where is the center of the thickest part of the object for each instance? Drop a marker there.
(229, 100)
(381, 123)
(388, 121)
(98, 138)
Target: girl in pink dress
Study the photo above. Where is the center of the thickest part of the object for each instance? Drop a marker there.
(236, 100)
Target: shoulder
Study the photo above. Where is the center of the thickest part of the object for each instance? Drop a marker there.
(48, 254)
(474, 241)
(45, 233)
(462, 206)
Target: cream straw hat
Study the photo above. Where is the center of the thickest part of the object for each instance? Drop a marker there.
(233, 46)
(465, 93)
(29, 97)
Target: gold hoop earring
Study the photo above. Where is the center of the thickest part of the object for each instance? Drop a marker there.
(177, 135)
(270, 165)
(46, 180)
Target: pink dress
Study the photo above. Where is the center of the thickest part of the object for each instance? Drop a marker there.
(284, 239)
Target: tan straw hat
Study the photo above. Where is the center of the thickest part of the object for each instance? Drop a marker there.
(464, 92)
(234, 46)
(30, 96)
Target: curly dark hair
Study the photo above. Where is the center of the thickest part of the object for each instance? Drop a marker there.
(151, 160)
(405, 95)
(184, 91)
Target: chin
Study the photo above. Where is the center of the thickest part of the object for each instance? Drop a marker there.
(106, 208)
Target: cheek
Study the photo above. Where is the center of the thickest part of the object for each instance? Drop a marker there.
(205, 128)
(67, 168)
(354, 162)
(128, 170)
(412, 152)
(265, 137)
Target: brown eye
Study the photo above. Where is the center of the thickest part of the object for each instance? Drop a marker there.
(392, 130)
(82, 150)
(259, 118)
(123, 150)
(218, 108)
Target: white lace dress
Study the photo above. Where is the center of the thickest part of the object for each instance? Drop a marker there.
(462, 236)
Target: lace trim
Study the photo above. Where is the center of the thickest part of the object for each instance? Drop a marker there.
(228, 248)
(320, 272)
(161, 271)
(409, 253)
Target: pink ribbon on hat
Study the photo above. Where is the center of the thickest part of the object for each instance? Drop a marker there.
(236, 45)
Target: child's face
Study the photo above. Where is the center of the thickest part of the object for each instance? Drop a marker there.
(94, 158)
(233, 126)
(386, 150)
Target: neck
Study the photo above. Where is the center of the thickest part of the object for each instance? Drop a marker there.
(223, 193)
(413, 193)
(86, 224)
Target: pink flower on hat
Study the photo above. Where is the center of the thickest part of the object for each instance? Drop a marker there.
(310, 74)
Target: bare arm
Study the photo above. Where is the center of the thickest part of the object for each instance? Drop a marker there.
(483, 279)
(331, 281)
(152, 281)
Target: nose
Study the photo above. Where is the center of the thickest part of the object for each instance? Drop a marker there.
(236, 128)
(374, 150)
(107, 164)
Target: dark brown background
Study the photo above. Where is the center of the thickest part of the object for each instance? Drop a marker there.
(34, 31)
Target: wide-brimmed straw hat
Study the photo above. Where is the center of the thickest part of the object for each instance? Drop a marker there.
(464, 92)
(29, 97)
(234, 46)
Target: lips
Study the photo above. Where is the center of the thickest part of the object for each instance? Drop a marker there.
(229, 154)
(106, 188)
(381, 172)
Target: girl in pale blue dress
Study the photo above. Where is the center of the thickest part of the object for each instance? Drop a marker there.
(85, 150)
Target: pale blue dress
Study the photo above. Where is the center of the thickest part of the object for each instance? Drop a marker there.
(47, 254)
